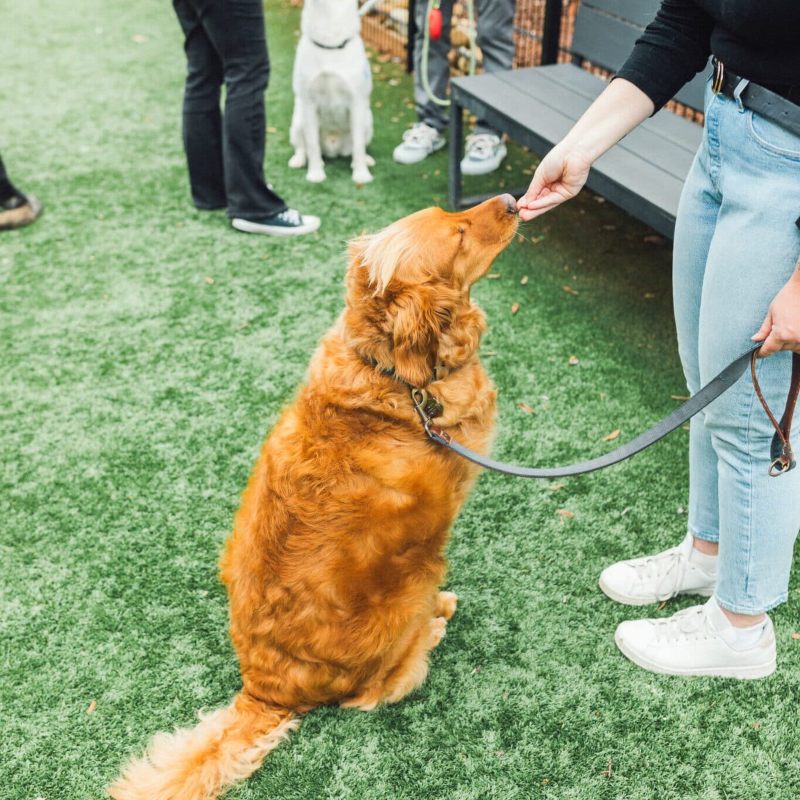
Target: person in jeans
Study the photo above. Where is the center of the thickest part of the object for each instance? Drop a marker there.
(16, 209)
(225, 42)
(736, 278)
(485, 150)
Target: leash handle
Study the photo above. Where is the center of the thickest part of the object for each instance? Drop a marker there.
(781, 448)
(428, 407)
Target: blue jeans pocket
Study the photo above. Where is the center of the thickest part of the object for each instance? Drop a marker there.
(772, 137)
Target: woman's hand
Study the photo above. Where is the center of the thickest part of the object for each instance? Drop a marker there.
(781, 327)
(559, 177)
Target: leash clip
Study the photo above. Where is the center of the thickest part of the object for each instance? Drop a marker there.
(429, 407)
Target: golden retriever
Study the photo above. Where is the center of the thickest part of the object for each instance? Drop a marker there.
(337, 553)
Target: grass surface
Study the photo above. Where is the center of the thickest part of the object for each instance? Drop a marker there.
(146, 351)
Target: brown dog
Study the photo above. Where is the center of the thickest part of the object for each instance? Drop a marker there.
(337, 551)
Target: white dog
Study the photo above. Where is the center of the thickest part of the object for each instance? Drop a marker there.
(332, 83)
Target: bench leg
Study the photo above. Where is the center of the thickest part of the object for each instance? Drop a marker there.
(456, 154)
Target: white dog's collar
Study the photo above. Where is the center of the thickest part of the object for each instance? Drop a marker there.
(331, 46)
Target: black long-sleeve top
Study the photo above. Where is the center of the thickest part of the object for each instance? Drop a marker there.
(755, 39)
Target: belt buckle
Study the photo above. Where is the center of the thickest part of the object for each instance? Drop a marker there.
(719, 76)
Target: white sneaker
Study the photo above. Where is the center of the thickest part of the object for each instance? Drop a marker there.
(653, 579)
(418, 143)
(287, 223)
(698, 641)
(485, 153)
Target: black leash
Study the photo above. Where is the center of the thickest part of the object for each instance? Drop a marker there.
(782, 456)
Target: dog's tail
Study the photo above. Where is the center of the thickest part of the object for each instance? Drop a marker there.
(198, 763)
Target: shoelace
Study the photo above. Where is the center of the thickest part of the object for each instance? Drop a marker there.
(667, 567)
(482, 145)
(691, 623)
(420, 134)
(292, 216)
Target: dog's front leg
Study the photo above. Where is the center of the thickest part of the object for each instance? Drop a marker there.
(296, 137)
(358, 130)
(316, 166)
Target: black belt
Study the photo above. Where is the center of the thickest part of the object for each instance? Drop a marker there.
(782, 457)
(769, 104)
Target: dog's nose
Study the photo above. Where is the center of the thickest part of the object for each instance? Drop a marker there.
(511, 203)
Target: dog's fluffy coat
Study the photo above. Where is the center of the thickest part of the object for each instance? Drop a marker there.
(337, 552)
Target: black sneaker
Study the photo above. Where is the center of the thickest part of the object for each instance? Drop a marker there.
(288, 223)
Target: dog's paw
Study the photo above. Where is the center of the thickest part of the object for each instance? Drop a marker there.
(446, 603)
(315, 174)
(362, 175)
(438, 631)
(297, 161)
(370, 161)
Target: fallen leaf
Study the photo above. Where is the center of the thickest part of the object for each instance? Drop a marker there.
(138, 38)
(756, 726)
(489, 353)
(609, 227)
(679, 397)
(524, 280)
(796, 636)
(608, 771)
(662, 605)
(209, 280)
(649, 296)
(609, 437)
(493, 276)
(626, 511)
(680, 510)
(514, 308)
(499, 753)
(653, 238)
(556, 487)
(570, 290)
(272, 130)
(536, 239)
(574, 361)
(562, 512)
(92, 707)
(526, 408)
(685, 427)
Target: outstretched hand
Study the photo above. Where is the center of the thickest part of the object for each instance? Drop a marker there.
(781, 327)
(559, 177)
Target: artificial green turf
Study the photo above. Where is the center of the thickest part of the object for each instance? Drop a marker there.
(135, 395)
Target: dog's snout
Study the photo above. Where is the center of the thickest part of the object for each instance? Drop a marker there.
(510, 203)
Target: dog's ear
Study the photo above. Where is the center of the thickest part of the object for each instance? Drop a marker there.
(415, 332)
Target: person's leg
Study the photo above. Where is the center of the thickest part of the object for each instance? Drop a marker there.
(753, 254)
(689, 568)
(429, 112)
(202, 119)
(236, 29)
(496, 40)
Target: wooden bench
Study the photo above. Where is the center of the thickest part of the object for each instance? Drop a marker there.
(537, 106)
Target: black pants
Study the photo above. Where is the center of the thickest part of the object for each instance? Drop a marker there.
(225, 42)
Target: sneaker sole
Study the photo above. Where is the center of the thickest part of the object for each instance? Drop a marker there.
(630, 600)
(741, 672)
(246, 226)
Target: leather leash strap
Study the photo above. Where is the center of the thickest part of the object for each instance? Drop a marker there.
(783, 460)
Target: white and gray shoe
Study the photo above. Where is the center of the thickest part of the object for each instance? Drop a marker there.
(653, 579)
(418, 143)
(485, 152)
(286, 223)
(699, 641)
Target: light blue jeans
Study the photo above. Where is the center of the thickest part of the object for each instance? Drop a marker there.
(736, 245)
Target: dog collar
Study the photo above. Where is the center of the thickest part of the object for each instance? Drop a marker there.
(331, 46)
